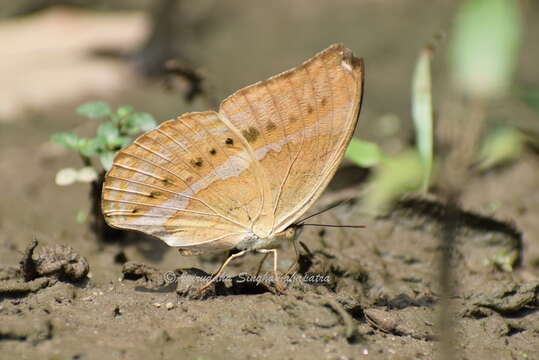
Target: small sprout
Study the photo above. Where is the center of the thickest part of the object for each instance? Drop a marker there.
(81, 217)
(66, 177)
(394, 177)
(506, 259)
(112, 135)
(363, 153)
(502, 146)
(422, 113)
(96, 109)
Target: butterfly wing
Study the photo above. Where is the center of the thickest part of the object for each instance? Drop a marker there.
(299, 124)
(192, 182)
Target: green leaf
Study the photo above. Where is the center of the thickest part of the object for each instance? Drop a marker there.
(67, 140)
(124, 110)
(484, 48)
(143, 121)
(88, 147)
(422, 113)
(96, 109)
(121, 142)
(394, 177)
(503, 145)
(109, 132)
(363, 153)
(106, 159)
(530, 96)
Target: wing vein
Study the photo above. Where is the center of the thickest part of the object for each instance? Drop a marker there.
(211, 164)
(317, 158)
(255, 117)
(156, 153)
(329, 147)
(214, 192)
(176, 175)
(230, 165)
(283, 125)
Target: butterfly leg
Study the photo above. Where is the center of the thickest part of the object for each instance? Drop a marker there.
(261, 263)
(220, 270)
(278, 284)
(295, 262)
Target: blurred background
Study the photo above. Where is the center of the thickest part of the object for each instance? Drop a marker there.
(59, 54)
(457, 79)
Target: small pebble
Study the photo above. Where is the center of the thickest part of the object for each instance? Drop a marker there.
(169, 306)
(157, 305)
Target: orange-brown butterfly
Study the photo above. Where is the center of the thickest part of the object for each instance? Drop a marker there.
(240, 178)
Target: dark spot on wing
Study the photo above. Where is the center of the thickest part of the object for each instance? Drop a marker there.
(134, 211)
(155, 194)
(229, 141)
(270, 126)
(198, 162)
(251, 134)
(310, 109)
(189, 179)
(293, 119)
(213, 151)
(324, 101)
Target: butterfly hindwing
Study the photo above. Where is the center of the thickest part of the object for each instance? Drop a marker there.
(189, 181)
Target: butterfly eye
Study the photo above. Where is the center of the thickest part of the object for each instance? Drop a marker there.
(291, 233)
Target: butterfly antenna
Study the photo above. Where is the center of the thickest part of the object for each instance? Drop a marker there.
(321, 211)
(336, 226)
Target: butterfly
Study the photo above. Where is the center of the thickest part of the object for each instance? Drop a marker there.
(240, 178)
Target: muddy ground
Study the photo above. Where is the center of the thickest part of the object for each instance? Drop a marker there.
(371, 293)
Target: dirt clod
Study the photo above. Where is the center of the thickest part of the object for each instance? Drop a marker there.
(62, 262)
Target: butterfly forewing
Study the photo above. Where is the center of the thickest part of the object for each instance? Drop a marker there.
(298, 124)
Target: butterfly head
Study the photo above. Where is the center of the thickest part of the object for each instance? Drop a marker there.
(291, 233)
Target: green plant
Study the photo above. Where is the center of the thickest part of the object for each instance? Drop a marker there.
(422, 114)
(484, 48)
(411, 169)
(113, 134)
